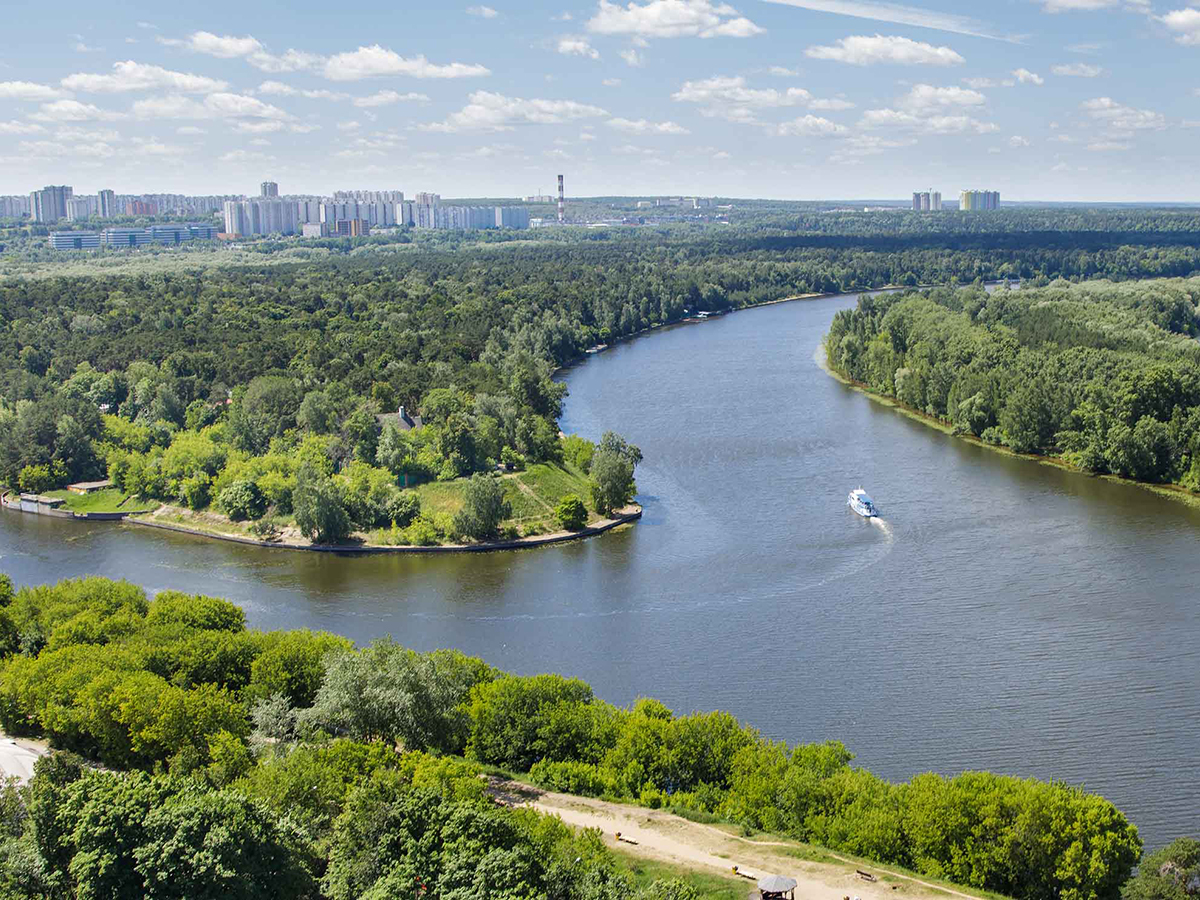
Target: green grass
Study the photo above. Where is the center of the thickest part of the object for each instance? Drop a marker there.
(105, 501)
(533, 509)
(709, 886)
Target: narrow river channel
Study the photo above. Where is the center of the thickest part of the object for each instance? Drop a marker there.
(1004, 616)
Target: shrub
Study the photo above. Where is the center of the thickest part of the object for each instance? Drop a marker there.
(242, 500)
(572, 514)
(193, 491)
(484, 508)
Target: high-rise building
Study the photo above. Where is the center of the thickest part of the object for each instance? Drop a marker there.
(80, 209)
(926, 201)
(106, 204)
(975, 201)
(141, 208)
(270, 189)
(50, 203)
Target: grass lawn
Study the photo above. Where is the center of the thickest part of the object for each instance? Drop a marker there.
(533, 494)
(105, 501)
(709, 885)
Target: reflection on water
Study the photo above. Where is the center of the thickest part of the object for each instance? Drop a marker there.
(1005, 615)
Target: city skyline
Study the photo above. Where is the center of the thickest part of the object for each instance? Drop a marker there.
(788, 99)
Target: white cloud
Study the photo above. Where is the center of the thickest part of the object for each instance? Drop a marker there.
(632, 57)
(96, 150)
(934, 124)
(158, 148)
(857, 146)
(367, 62)
(189, 129)
(267, 127)
(811, 126)
(214, 106)
(249, 48)
(82, 47)
(349, 126)
(484, 12)
(897, 15)
(784, 72)
(245, 156)
(286, 90)
(1026, 77)
(134, 76)
(611, 82)
(928, 97)
(862, 50)
(15, 127)
(28, 90)
(488, 111)
(1077, 70)
(1017, 141)
(1105, 146)
(1123, 118)
(102, 135)
(260, 142)
(729, 97)
(1058, 6)
(1186, 25)
(147, 25)
(642, 126)
(832, 105)
(296, 128)
(386, 98)
(74, 111)
(671, 19)
(572, 45)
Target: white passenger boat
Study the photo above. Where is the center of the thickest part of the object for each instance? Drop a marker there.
(862, 504)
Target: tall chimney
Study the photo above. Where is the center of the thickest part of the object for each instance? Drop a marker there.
(561, 203)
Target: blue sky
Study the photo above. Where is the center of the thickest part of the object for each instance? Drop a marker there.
(798, 99)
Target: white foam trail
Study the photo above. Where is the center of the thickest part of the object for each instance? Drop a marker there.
(883, 526)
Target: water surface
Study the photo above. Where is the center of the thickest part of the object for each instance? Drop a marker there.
(1005, 616)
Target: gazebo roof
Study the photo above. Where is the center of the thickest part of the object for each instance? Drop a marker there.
(776, 884)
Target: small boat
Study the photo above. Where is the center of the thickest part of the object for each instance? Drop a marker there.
(862, 504)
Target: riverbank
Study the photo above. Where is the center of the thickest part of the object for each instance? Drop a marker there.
(1173, 492)
(620, 517)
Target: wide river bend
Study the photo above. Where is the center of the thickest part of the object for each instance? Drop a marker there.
(1004, 616)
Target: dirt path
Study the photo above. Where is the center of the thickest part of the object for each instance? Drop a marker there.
(662, 836)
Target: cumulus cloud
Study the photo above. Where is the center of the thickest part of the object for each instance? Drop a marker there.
(1017, 141)
(1026, 77)
(214, 106)
(387, 98)
(632, 57)
(1123, 118)
(811, 126)
(928, 97)
(1105, 146)
(1059, 6)
(28, 90)
(484, 12)
(368, 62)
(249, 48)
(134, 76)
(1185, 23)
(832, 105)
(488, 111)
(784, 72)
(105, 135)
(96, 150)
(74, 111)
(863, 50)
(245, 156)
(934, 124)
(15, 127)
(643, 126)
(671, 19)
(730, 97)
(1077, 70)
(572, 45)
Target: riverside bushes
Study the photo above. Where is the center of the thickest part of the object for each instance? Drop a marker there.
(292, 734)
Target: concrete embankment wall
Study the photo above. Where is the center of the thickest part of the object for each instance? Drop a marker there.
(8, 501)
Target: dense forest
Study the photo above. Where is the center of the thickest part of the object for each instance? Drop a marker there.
(1107, 376)
(276, 364)
(344, 772)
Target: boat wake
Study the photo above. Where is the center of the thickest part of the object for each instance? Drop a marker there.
(883, 526)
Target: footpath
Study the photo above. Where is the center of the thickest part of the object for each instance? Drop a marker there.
(664, 837)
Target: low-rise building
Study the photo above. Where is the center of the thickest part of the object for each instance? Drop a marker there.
(75, 240)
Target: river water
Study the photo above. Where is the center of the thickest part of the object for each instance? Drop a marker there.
(1003, 616)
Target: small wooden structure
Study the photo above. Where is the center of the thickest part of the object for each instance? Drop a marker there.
(777, 887)
(87, 487)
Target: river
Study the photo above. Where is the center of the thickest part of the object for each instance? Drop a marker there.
(1003, 616)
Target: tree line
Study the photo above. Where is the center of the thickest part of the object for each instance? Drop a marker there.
(1106, 376)
(335, 763)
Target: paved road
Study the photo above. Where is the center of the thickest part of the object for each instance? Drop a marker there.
(17, 758)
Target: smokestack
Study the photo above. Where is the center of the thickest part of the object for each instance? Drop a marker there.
(561, 204)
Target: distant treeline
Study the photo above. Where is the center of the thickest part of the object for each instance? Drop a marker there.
(1105, 375)
(286, 740)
